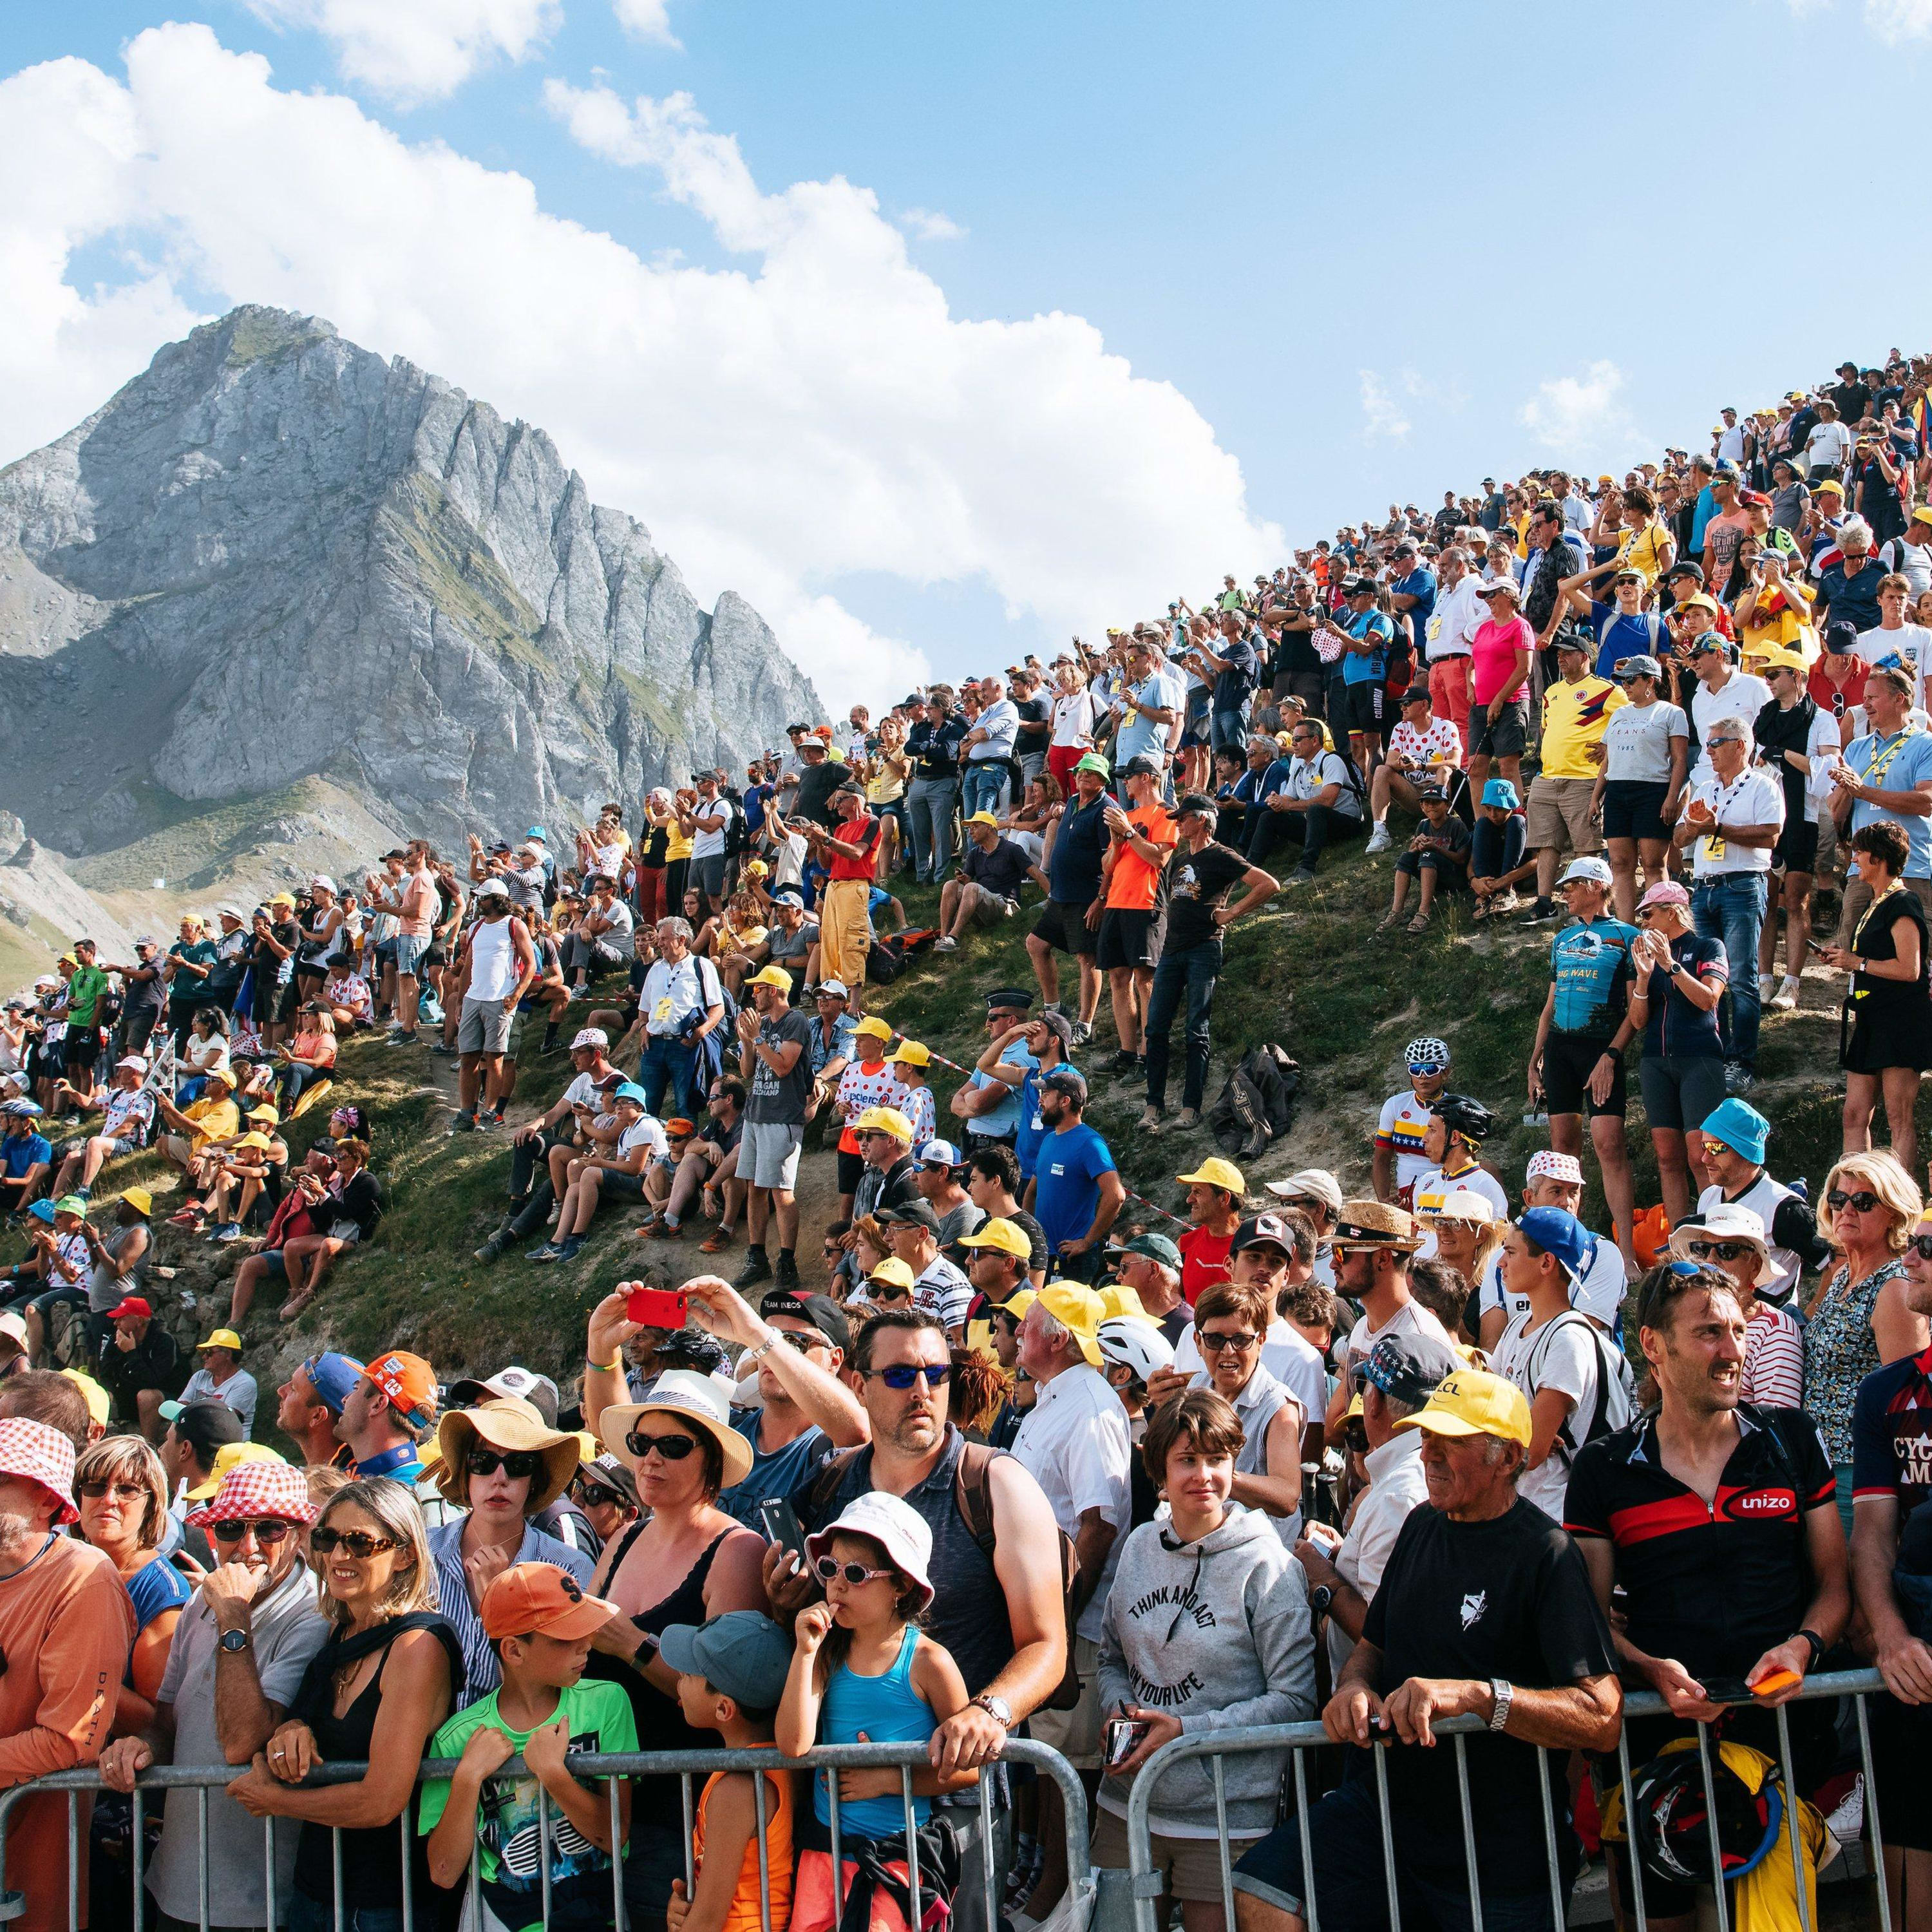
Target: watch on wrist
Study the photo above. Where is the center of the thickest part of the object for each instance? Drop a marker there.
(997, 1708)
(1320, 1598)
(234, 1641)
(1817, 1644)
(1501, 1692)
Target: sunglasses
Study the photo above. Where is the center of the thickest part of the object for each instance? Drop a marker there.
(854, 1574)
(268, 1529)
(1863, 1201)
(673, 1448)
(593, 1495)
(95, 1490)
(1212, 1344)
(1426, 1069)
(513, 1463)
(901, 1376)
(357, 1543)
(1718, 1251)
(804, 1344)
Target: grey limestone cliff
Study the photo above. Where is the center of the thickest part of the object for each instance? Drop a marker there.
(275, 556)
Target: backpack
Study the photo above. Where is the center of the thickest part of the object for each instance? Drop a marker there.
(1615, 1387)
(972, 1497)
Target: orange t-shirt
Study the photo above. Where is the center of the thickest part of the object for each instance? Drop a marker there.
(742, 1914)
(66, 1626)
(1135, 885)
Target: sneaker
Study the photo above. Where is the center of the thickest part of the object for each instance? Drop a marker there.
(1187, 1120)
(1541, 912)
(447, 1052)
(717, 1241)
(549, 1252)
(1379, 841)
(228, 1231)
(397, 1037)
(1122, 1063)
(756, 1269)
(571, 1249)
(1082, 1032)
(1151, 1119)
(1767, 985)
(946, 944)
(492, 1250)
(664, 1231)
(463, 1124)
(1738, 1079)
(1052, 1007)
(1302, 875)
(1786, 995)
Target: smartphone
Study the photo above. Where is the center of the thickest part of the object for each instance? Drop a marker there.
(1778, 1680)
(780, 1522)
(657, 1307)
(1120, 1739)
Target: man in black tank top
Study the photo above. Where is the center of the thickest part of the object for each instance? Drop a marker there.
(1001, 1613)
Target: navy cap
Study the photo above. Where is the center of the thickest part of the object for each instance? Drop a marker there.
(1409, 1367)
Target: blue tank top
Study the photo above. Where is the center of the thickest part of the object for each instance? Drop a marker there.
(888, 1711)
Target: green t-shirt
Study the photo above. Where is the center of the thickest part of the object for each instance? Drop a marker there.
(510, 1861)
(83, 990)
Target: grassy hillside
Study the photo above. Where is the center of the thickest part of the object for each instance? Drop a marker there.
(1309, 972)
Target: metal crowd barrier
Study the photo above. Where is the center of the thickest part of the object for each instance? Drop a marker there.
(590, 1767)
(1299, 1739)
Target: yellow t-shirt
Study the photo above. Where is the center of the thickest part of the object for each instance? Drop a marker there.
(1790, 626)
(1573, 718)
(677, 845)
(1644, 549)
(214, 1121)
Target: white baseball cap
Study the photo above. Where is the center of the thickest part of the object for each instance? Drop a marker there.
(836, 988)
(1596, 871)
(1312, 1183)
(591, 1037)
(1550, 1165)
(136, 1061)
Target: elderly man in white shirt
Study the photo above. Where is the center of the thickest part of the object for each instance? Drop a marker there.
(1459, 614)
(1402, 1373)
(1075, 1444)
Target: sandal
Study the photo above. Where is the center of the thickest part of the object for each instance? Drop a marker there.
(1420, 923)
(1388, 924)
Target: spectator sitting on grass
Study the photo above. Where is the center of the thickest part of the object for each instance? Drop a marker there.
(1438, 858)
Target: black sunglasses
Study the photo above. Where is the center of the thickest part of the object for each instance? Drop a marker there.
(1920, 1245)
(268, 1529)
(591, 1494)
(356, 1543)
(673, 1448)
(1863, 1201)
(513, 1463)
(1718, 1251)
(902, 1375)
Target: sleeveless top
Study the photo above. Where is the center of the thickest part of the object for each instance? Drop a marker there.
(742, 1914)
(657, 1801)
(888, 1711)
(371, 1863)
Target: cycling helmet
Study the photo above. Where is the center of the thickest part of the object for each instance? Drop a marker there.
(1134, 1345)
(1462, 1115)
(1427, 1050)
(1669, 1820)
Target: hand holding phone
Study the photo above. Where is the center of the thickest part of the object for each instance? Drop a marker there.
(780, 1522)
(657, 1307)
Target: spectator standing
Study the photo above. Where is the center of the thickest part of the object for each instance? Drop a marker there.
(1485, 1608)
(1077, 1192)
(682, 1001)
(1731, 1241)
(1140, 838)
(933, 746)
(774, 1055)
(1799, 739)
(501, 966)
(1500, 652)
(848, 852)
(1243, 1655)
(1886, 774)
(1731, 821)
(1458, 614)
(1576, 708)
(1072, 867)
(1849, 577)
(1197, 882)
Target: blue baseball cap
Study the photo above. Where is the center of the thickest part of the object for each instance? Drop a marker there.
(1557, 1232)
(332, 1376)
(1740, 1127)
(1500, 791)
(742, 1653)
(629, 1090)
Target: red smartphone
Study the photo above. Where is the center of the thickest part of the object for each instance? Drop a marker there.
(658, 1307)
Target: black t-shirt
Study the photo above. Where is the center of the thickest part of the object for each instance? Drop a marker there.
(1196, 885)
(1079, 849)
(816, 784)
(1713, 1588)
(1507, 1598)
(1036, 725)
(776, 1100)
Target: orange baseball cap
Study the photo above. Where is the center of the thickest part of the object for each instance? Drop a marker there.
(409, 1383)
(540, 1600)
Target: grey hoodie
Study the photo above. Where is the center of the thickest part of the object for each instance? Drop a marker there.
(1216, 1632)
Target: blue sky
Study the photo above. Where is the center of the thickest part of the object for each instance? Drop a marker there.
(1379, 251)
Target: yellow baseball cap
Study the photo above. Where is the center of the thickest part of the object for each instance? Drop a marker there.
(1782, 659)
(872, 1023)
(100, 1404)
(894, 1273)
(1473, 1402)
(221, 1338)
(984, 818)
(884, 1120)
(1118, 1299)
(771, 975)
(913, 1054)
(231, 1456)
(257, 1143)
(1017, 1307)
(1008, 1237)
(1078, 1308)
(1216, 1172)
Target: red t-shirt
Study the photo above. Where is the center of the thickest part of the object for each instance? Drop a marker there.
(1204, 1261)
(862, 832)
(1838, 698)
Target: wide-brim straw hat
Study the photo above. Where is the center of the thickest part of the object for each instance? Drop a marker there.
(694, 1399)
(507, 1424)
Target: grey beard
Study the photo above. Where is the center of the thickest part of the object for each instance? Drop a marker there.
(17, 1537)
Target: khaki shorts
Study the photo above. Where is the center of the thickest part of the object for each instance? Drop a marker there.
(1190, 1868)
(1075, 1734)
(1558, 814)
(989, 909)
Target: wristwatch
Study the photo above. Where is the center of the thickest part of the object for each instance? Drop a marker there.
(1319, 1598)
(1501, 1692)
(234, 1641)
(997, 1708)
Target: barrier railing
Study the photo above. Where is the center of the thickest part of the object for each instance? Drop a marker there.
(1299, 1739)
(611, 1769)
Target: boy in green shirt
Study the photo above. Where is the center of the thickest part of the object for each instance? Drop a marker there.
(542, 1623)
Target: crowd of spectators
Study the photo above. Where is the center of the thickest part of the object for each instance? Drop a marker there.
(960, 1468)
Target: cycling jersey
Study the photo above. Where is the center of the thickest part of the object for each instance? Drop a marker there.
(1590, 962)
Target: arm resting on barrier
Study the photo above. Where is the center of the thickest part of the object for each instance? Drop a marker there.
(454, 1838)
(588, 1810)
(1904, 1660)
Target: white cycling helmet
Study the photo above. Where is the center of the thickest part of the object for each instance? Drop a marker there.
(1134, 1345)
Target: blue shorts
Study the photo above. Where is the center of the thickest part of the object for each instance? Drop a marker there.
(409, 950)
(271, 1262)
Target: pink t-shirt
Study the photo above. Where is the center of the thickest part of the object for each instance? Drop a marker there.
(1493, 649)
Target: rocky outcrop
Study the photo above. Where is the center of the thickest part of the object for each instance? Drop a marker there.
(275, 557)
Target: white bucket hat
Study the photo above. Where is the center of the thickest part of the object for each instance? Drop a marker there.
(894, 1526)
(1726, 1222)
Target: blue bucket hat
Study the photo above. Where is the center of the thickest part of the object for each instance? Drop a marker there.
(1500, 791)
(42, 1210)
(1740, 1127)
(631, 1090)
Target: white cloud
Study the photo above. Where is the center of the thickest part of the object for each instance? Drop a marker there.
(416, 50)
(1381, 414)
(1582, 419)
(1897, 22)
(646, 20)
(928, 224)
(812, 412)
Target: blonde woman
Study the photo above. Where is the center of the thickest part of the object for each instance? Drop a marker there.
(388, 1673)
(1859, 1320)
(888, 772)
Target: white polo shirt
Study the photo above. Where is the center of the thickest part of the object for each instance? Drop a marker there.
(1074, 1443)
(1753, 797)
